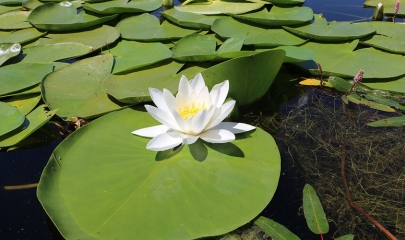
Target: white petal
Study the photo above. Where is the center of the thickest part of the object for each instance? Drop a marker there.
(184, 86)
(189, 139)
(184, 126)
(204, 97)
(199, 121)
(233, 127)
(220, 114)
(217, 136)
(158, 99)
(197, 83)
(170, 99)
(164, 141)
(223, 92)
(151, 131)
(162, 117)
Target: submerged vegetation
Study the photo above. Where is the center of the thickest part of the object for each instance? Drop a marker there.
(71, 63)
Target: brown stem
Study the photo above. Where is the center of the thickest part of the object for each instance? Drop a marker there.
(349, 198)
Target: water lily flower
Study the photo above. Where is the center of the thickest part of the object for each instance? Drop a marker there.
(194, 113)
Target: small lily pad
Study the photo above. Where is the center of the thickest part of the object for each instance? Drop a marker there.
(147, 28)
(24, 103)
(336, 31)
(215, 7)
(11, 118)
(190, 20)
(123, 6)
(195, 48)
(4, 9)
(21, 36)
(16, 19)
(8, 50)
(53, 52)
(63, 17)
(34, 120)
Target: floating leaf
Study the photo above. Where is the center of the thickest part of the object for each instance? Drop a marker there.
(19, 76)
(146, 27)
(8, 50)
(63, 17)
(389, 6)
(249, 77)
(20, 36)
(287, 1)
(313, 211)
(368, 103)
(123, 6)
(384, 101)
(340, 84)
(389, 37)
(53, 52)
(336, 31)
(134, 87)
(35, 89)
(34, 120)
(275, 230)
(24, 103)
(130, 55)
(16, 19)
(189, 20)
(4, 9)
(296, 54)
(195, 48)
(11, 2)
(221, 7)
(389, 122)
(128, 182)
(81, 82)
(11, 118)
(279, 16)
(341, 60)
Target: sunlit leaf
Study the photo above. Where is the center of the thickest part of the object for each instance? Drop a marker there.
(195, 48)
(190, 20)
(123, 6)
(389, 37)
(11, 118)
(20, 36)
(8, 50)
(313, 211)
(368, 103)
(275, 230)
(16, 19)
(24, 103)
(221, 7)
(225, 185)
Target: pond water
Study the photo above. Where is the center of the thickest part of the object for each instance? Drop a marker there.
(22, 217)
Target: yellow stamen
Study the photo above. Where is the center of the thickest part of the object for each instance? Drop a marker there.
(190, 111)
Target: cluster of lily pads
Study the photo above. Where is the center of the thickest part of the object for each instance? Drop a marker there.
(101, 182)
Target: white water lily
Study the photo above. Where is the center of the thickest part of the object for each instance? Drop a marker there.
(194, 113)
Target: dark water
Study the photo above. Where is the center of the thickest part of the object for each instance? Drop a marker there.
(21, 215)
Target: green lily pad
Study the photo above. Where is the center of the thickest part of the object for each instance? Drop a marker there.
(190, 20)
(19, 76)
(4, 9)
(249, 77)
(389, 6)
(130, 55)
(274, 229)
(63, 17)
(53, 52)
(24, 103)
(21, 36)
(11, 2)
(11, 118)
(82, 95)
(341, 60)
(8, 50)
(215, 7)
(256, 35)
(123, 6)
(279, 16)
(296, 54)
(389, 37)
(34, 120)
(134, 87)
(195, 48)
(16, 19)
(231, 48)
(336, 31)
(286, 2)
(31, 90)
(147, 28)
(225, 188)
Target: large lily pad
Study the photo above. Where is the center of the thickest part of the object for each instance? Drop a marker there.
(24, 103)
(195, 48)
(16, 19)
(130, 55)
(249, 77)
(8, 50)
(63, 17)
(4, 9)
(11, 118)
(341, 60)
(279, 16)
(196, 191)
(123, 6)
(336, 31)
(11, 2)
(76, 89)
(146, 27)
(53, 52)
(227, 27)
(389, 6)
(34, 120)
(389, 37)
(134, 87)
(20, 36)
(215, 7)
(19, 76)
(190, 20)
